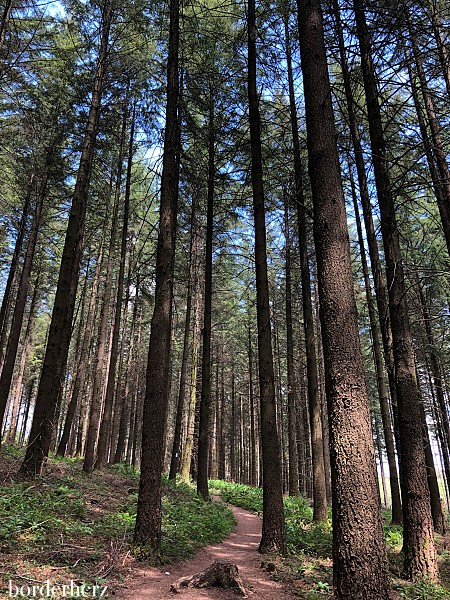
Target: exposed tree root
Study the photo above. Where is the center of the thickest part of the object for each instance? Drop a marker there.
(219, 574)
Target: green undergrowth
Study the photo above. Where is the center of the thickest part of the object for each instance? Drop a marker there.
(308, 568)
(67, 525)
(303, 535)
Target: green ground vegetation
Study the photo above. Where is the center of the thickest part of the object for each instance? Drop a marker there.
(308, 568)
(68, 526)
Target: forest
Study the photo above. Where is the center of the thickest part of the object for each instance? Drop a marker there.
(224, 260)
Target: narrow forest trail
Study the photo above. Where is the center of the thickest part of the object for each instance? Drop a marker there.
(240, 548)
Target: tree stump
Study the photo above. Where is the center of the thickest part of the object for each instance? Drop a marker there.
(219, 574)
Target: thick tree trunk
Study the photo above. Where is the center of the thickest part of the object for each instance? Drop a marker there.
(147, 533)
(376, 266)
(205, 397)
(359, 553)
(273, 530)
(55, 359)
(314, 399)
(419, 547)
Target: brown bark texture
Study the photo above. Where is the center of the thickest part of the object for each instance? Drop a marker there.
(359, 553)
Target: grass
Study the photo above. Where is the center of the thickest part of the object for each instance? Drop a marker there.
(67, 526)
(308, 568)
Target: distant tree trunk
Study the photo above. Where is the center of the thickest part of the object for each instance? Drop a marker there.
(442, 183)
(28, 398)
(221, 472)
(444, 57)
(55, 359)
(292, 392)
(314, 399)
(273, 530)
(4, 23)
(205, 397)
(27, 344)
(105, 426)
(188, 447)
(147, 533)
(21, 300)
(383, 395)
(358, 541)
(81, 366)
(419, 547)
(125, 394)
(254, 456)
(12, 273)
(183, 392)
(97, 392)
(435, 369)
(435, 499)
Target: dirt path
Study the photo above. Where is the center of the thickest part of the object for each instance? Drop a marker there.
(239, 548)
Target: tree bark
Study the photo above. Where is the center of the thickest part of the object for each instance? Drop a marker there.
(147, 533)
(183, 392)
(358, 541)
(205, 397)
(21, 300)
(383, 395)
(419, 547)
(106, 424)
(12, 273)
(55, 359)
(27, 344)
(273, 529)
(314, 399)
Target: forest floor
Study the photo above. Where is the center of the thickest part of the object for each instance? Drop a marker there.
(240, 548)
(67, 528)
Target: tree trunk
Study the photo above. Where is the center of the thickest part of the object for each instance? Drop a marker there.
(205, 397)
(102, 358)
(4, 22)
(188, 447)
(106, 424)
(273, 530)
(383, 395)
(444, 57)
(56, 353)
(377, 270)
(81, 367)
(314, 399)
(183, 392)
(147, 533)
(420, 553)
(292, 392)
(441, 180)
(358, 541)
(21, 300)
(12, 273)
(27, 345)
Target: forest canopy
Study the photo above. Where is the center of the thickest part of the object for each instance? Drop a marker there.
(224, 254)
